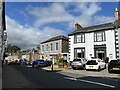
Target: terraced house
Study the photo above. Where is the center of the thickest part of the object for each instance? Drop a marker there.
(53, 47)
(99, 41)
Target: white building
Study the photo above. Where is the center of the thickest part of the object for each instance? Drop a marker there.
(100, 41)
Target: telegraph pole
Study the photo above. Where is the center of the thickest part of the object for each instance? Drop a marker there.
(3, 36)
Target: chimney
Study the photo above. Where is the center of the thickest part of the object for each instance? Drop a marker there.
(78, 26)
(117, 19)
(116, 14)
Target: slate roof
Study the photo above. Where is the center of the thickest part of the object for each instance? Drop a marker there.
(56, 38)
(100, 27)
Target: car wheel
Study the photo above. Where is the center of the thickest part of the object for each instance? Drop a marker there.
(99, 68)
(84, 67)
(109, 71)
(73, 68)
(105, 67)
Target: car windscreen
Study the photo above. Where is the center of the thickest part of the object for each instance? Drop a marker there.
(77, 60)
(115, 61)
(91, 62)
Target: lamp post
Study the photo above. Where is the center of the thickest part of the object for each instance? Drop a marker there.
(3, 43)
(52, 65)
(38, 51)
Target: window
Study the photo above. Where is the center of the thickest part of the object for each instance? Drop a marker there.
(51, 47)
(43, 48)
(79, 53)
(56, 46)
(46, 47)
(80, 38)
(99, 36)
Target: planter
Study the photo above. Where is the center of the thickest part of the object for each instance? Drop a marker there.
(65, 66)
(60, 65)
(55, 66)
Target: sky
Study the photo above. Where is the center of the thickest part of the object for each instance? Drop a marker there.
(30, 23)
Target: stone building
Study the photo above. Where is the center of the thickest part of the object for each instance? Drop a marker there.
(54, 47)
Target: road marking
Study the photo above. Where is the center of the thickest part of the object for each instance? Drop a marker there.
(71, 78)
(28, 66)
(97, 83)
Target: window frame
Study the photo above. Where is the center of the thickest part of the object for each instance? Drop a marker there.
(46, 47)
(83, 52)
(51, 46)
(56, 46)
(81, 36)
(103, 36)
(42, 48)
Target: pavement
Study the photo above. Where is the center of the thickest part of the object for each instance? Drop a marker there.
(14, 79)
(49, 68)
(79, 73)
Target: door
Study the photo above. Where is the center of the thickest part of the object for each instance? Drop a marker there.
(101, 56)
(100, 51)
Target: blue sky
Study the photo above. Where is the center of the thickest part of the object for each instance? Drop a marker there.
(30, 23)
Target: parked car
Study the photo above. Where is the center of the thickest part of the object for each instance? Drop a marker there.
(22, 63)
(13, 63)
(48, 63)
(114, 65)
(95, 64)
(79, 63)
(38, 63)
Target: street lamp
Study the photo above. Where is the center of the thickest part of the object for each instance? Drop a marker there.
(52, 64)
(4, 39)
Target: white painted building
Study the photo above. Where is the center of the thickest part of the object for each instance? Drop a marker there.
(99, 41)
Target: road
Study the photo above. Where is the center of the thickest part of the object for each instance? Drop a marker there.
(42, 79)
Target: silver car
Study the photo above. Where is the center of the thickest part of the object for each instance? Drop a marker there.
(79, 63)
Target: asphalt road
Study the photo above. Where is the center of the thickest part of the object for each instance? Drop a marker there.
(43, 79)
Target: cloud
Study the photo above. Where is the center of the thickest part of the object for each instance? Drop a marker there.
(54, 13)
(102, 19)
(28, 37)
(89, 9)
(59, 12)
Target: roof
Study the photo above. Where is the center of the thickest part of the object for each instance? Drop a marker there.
(99, 27)
(56, 38)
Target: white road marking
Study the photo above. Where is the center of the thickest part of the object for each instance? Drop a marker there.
(71, 78)
(97, 83)
(28, 66)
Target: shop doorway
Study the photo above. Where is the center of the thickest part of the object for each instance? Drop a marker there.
(100, 51)
(79, 53)
(101, 55)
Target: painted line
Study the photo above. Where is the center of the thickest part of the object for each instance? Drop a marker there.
(28, 66)
(70, 78)
(97, 83)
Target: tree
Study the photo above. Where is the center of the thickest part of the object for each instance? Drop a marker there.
(12, 48)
